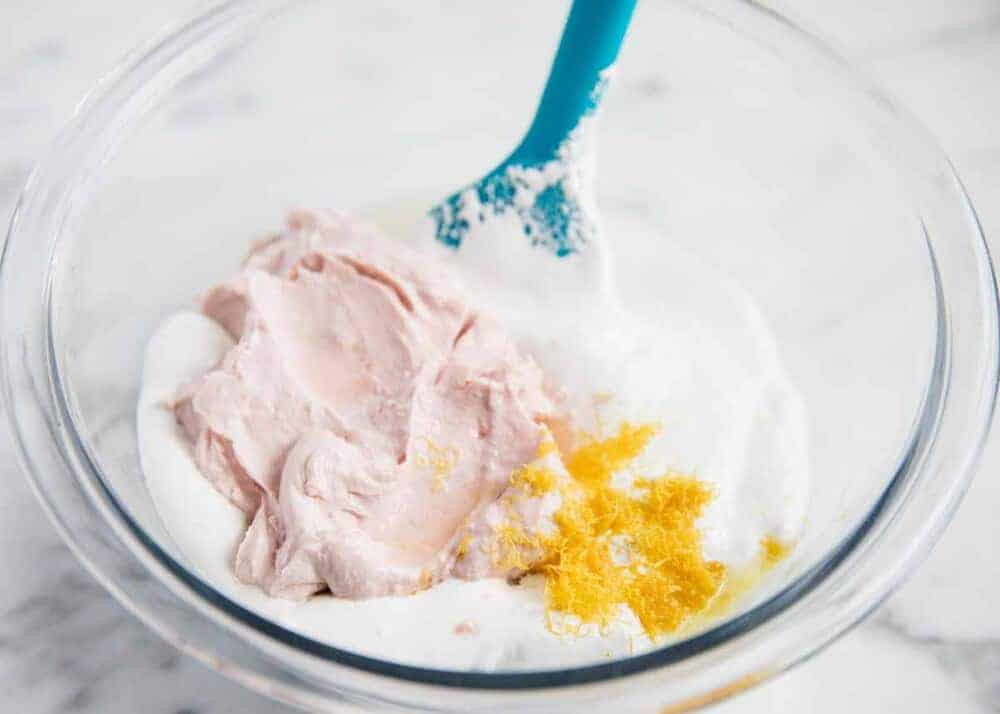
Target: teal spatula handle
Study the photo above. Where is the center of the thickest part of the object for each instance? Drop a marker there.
(590, 42)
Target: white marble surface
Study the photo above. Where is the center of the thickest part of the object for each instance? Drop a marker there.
(65, 645)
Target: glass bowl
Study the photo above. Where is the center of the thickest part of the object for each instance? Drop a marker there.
(729, 132)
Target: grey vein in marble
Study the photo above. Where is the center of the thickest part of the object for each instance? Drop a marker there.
(71, 630)
(976, 663)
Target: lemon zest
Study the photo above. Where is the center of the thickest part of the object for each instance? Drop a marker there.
(463, 546)
(440, 460)
(663, 577)
(534, 480)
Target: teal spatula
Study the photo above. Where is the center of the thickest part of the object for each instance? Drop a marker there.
(539, 180)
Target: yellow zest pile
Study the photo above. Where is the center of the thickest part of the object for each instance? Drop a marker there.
(613, 548)
(441, 460)
(463, 546)
(534, 480)
(773, 551)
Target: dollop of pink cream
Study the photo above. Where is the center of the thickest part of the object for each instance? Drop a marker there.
(367, 419)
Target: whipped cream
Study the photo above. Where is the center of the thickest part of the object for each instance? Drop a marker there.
(706, 369)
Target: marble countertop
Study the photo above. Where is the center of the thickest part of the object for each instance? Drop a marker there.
(65, 645)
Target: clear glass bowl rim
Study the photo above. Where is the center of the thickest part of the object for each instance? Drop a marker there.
(69, 483)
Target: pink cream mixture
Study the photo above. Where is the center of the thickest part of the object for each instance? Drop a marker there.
(367, 419)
